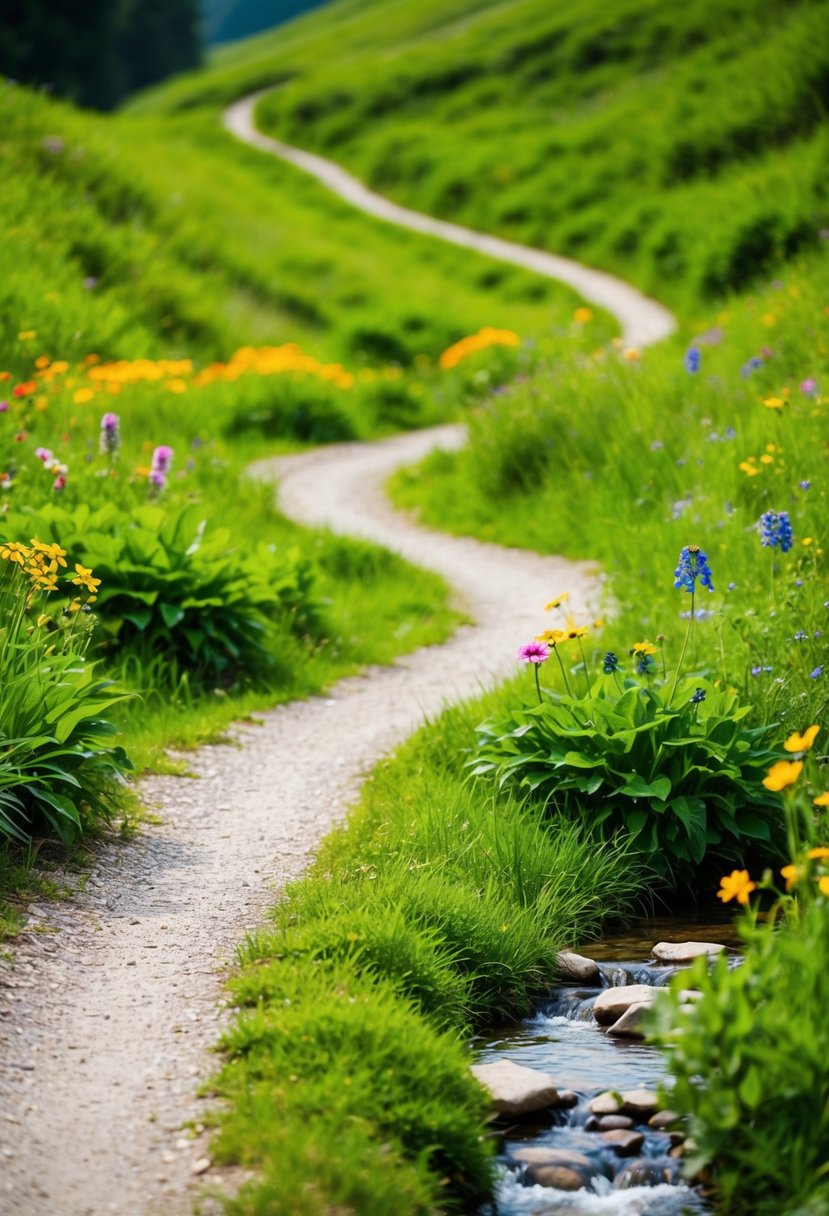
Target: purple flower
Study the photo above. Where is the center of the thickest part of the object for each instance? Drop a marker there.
(110, 439)
(692, 565)
(808, 386)
(533, 652)
(4, 407)
(157, 479)
(756, 671)
(162, 459)
(693, 359)
(44, 454)
(800, 636)
(816, 674)
(805, 485)
(751, 366)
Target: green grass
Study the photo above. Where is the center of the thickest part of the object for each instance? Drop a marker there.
(683, 148)
(435, 909)
(626, 463)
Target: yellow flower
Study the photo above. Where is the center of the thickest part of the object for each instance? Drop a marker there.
(82, 395)
(551, 636)
(582, 315)
(820, 851)
(47, 582)
(766, 459)
(773, 403)
(801, 743)
(748, 468)
(821, 800)
(85, 579)
(736, 885)
(53, 552)
(783, 774)
(575, 631)
(823, 885)
(645, 647)
(791, 875)
(558, 601)
(632, 354)
(807, 540)
(11, 551)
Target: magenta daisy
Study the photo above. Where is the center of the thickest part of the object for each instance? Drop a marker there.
(533, 652)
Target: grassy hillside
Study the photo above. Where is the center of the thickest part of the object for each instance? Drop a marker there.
(684, 148)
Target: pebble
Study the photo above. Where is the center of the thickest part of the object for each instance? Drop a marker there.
(685, 952)
(613, 1002)
(625, 1143)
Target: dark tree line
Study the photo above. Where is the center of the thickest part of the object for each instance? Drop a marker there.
(97, 51)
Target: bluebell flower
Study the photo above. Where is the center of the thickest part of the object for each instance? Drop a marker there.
(756, 671)
(693, 358)
(644, 665)
(699, 695)
(692, 565)
(751, 366)
(610, 663)
(805, 485)
(801, 636)
(776, 531)
(816, 674)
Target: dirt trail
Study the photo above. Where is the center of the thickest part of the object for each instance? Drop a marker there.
(111, 1001)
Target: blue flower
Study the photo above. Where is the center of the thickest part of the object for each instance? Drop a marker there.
(693, 358)
(816, 674)
(699, 695)
(800, 636)
(751, 366)
(756, 671)
(776, 531)
(610, 664)
(805, 485)
(692, 565)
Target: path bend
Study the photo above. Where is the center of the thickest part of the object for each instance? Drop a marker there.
(642, 320)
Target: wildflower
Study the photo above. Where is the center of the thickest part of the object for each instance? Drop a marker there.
(582, 315)
(533, 652)
(791, 875)
(557, 601)
(736, 885)
(805, 485)
(776, 530)
(644, 665)
(751, 366)
(808, 387)
(823, 885)
(801, 743)
(816, 674)
(84, 579)
(54, 553)
(646, 648)
(821, 852)
(610, 663)
(782, 774)
(162, 458)
(574, 631)
(773, 403)
(800, 636)
(11, 551)
(693, 565)
(693, 359)
(821, 800)
(551, 637)
(699, 695)
(110, 439)
(756, 671)
(44, 454)
(4, 407)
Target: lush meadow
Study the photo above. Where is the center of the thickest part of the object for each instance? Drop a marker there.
(177, 304)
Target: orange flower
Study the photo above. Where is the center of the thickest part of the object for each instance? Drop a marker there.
(736, 885)
(791, 875)
(801, 743)
(783, 774)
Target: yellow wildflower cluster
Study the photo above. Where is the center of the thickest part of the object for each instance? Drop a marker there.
(43, 562)
(274, 361)
(485, 337)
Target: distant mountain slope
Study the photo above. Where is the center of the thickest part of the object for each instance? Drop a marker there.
(228, 20)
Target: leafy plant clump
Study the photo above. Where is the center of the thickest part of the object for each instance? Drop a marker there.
(681, 776)
(177, 586)
(59, 769)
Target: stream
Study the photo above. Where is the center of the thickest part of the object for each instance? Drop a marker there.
(564, 1040)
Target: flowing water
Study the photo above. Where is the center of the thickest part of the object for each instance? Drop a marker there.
(564, 1040)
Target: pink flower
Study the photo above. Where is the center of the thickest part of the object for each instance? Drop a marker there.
(533, 652)
(809, 387)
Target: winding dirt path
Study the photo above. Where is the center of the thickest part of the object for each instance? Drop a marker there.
(643, 321)
(111, 1002)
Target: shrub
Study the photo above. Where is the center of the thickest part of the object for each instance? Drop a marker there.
(680, 775)
(175, 585)
(58, 768)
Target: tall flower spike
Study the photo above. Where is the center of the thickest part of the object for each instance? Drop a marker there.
(692, 565)
(776, 531)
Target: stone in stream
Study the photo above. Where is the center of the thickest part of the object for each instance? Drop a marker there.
(614, 1123)
(516, 1090)
(566, 1099)
(684, 952)
(576, 969)
(645, 1171)
(624, 1142)
(640, 1103)
(539, 1155)
(629, 1025)
(613, 1002)
(606, 1104)
(563, 1177)
(664, 1120)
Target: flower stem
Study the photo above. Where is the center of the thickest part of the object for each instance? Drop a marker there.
(537, 683)
(586, 673)
(683, 652)
(563, 673)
